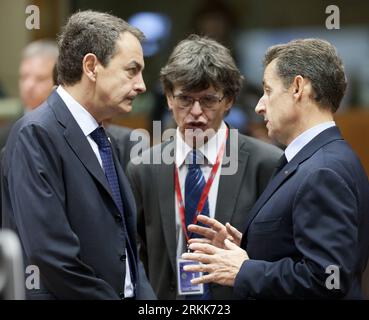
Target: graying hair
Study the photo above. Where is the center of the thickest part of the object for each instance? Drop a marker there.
(89, 32)
(197, 63)
(316, 60)
(41, 48)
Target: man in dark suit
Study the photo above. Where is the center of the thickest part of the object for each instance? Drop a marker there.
(307, 236)
(64, 193)
(199, 101)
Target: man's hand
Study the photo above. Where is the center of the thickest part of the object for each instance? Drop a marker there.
(222, 265)
(215, 233)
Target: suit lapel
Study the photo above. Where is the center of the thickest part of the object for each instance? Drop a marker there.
(327, 136)
(128, 208)
(165, 184)
(77, 140)
(227, 197)
(127, 197)
(272, 187)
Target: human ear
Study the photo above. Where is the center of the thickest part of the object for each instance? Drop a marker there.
(170, 101)
(89, 66)
(298, 87)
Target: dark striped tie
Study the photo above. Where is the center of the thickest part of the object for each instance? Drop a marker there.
(106, 154)
(194, 186)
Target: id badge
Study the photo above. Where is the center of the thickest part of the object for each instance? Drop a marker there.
(185, 287)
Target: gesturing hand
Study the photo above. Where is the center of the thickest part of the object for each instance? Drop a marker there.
(215, 233)
(221, 265)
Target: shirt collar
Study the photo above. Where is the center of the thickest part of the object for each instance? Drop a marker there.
(84, 119)
(210, 149)
(304, 138)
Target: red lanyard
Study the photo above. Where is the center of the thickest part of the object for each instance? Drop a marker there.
(204, 194)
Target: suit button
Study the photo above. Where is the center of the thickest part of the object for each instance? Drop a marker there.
(121, 295)
(118, 218)
(172, 288)
(122, 257)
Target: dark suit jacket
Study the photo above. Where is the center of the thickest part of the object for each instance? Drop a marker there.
(153, 186)
(313, 214)
(123, 143)
(57, 199)
(4, 132)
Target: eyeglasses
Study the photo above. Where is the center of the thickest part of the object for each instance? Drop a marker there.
(206, 102)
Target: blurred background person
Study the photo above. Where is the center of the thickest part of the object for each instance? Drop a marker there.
(36, 72)
(35, 79)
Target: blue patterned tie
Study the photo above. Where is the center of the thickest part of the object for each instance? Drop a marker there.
(101, 139)
(194, 186)
(106, 154)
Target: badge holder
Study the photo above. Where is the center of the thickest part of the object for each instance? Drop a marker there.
(185, 287)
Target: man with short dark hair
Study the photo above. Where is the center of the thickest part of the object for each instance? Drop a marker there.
(210, 161)
(307, 235)
(64, 192)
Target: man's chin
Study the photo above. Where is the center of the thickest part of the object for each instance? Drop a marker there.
(125, 108)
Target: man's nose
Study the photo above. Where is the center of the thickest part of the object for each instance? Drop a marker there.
(28, 83)
(260, 107)
(140, 86)
(196, 109)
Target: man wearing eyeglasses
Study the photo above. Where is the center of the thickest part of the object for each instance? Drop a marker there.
(215, 172)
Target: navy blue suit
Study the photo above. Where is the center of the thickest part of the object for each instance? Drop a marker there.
(57, 199)
(314, 213)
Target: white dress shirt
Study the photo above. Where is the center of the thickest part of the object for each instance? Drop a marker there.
(88, 124)
(304, 138)
(210, 150)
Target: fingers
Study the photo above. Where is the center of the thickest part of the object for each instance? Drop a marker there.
(203, 247)
(205, 220)
(196, 256)
(237, 235)
(207, 278)
(212, 223)
(194, 268)
(202, 252)
(230, 245)
(199, 240)
(203, 231)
